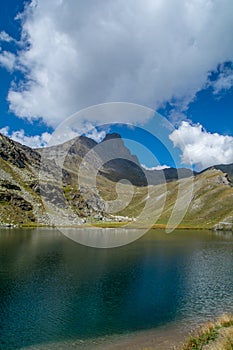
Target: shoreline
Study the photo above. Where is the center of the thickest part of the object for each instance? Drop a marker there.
(164, 337)
(179, 335)
(110, 225)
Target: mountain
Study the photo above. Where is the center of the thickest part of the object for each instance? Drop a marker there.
(44, 186)
(225, 168)
(30, 187)
(211, 201)
(118, 162)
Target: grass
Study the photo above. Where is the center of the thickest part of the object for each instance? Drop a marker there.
(108, 224)
(202, 339)
(32, 225)
(211, 202)
(213, 336)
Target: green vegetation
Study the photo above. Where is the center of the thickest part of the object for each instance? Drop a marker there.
(21, 203)
(211, 200)
(109, 224)
(213, 336)
(204, 338)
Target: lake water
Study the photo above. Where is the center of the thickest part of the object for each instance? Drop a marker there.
(53, 290)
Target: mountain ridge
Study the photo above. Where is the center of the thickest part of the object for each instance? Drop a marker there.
(225, 168)
(29, 178)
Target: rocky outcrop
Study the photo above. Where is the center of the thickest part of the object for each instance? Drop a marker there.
(224, 168)
(34, 189)
(41, 186)
(17, 154)
(225, 225)
(111, 157)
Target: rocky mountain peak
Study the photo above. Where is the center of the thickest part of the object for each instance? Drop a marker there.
(111, 136)
(16, 153)
(22, 189)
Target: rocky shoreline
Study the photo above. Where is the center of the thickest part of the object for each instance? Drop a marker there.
(7, 225)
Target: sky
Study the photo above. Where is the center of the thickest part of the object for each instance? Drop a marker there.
(175, 57)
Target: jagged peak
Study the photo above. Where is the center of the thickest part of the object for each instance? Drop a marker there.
(111, 136)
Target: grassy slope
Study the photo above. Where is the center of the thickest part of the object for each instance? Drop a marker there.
(212, 200)
(213, 336)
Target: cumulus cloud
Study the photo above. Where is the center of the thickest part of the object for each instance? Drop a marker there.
(202, 148)
(96, 135)
(158, 167)
(35, 141)
(47, 139)
(75, 54)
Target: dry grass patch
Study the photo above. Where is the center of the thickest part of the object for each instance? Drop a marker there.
(213, 336)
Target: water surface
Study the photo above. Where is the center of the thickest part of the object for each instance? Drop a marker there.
(55, 290)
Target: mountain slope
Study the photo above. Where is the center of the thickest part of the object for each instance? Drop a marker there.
(34, 188)
(211, 202)
(116, 160)
(225, 168)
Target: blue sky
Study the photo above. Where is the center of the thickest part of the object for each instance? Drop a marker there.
(59, 57)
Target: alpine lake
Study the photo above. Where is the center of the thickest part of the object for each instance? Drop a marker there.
(58, 294)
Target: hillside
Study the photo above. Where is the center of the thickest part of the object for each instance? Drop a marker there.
(32, 184)
(211, 203)
(225, 168)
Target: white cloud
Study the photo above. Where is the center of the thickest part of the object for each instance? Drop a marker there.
(6, 37)
(158, 167)
(5, 131)
(82, 53)
(202, 148)
(176, 117)
(35, 141)
(7, 60)
(96, 135)
(47, 139)
(224, 81)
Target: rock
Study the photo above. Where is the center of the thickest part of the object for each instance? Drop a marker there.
(7, 225)
(5, 196)
(24, 205)
(223, 180)
(36, 185)
(9, 186)
(225, 225)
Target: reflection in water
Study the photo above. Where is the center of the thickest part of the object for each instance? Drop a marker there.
(52, 289)
(103, 238)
